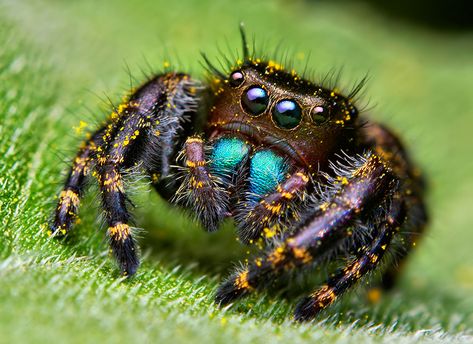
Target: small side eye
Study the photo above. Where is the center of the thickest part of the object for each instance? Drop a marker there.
(255, 100)
(236, 78)
(320, 114)
(287, 114)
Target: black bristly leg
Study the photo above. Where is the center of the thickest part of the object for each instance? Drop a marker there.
(416, 219)
(69, 198)
(345, 278)
(413, 188)
(273, 211)
(142, 132)
(156, 112)
(320, 232)
(200, 190)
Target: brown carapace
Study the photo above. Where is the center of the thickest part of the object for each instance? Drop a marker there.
(302, 173)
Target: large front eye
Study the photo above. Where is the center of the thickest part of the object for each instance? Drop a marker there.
(255, 100)
(287, 114)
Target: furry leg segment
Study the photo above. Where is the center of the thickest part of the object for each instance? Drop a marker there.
(116, 153)
(310, 306)
(319, 233)
(119, 232)
(416, 220)
(67, 208)
(200, 190)
(265, 217)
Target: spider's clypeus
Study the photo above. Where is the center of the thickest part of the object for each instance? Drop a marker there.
(290, 160)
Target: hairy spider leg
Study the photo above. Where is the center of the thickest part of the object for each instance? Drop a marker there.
(267, 217)
(156, 112)
(390, 148)
(345, 278)
(201, 190)
(120, 143)
(416, 220)
(158, 106)
(67, 208)
(318, 233)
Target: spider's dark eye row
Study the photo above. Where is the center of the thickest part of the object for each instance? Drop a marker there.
(319, 114)
(287, 114)
(255, 100)
(236, 78)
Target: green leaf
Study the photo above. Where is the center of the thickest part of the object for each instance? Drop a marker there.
(58, 59)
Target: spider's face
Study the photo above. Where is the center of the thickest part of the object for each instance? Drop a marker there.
(269, 106)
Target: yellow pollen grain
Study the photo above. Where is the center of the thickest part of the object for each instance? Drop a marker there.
(80, 128)
(269, 233)
(374, 295)
(122, 107)
(258, 262)
(324, 206)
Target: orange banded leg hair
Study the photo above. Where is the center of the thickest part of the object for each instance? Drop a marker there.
(277, 208)
(200, 190)
(319, 233)
(310, 306)
(69, 199)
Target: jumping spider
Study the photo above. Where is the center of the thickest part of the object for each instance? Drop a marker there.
(290, 160)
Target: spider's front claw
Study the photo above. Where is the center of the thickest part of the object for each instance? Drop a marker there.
(234, 288)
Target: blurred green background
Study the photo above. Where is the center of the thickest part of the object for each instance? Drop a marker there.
(60, 60)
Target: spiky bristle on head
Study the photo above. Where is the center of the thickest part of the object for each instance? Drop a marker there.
(234, 60)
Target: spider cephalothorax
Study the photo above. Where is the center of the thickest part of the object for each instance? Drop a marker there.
(290, 160)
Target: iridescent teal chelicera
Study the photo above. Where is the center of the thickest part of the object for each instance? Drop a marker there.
(227, 154)
(267, 170)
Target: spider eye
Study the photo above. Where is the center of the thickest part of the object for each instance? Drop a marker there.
(287, 114)
(255, 100)
(236, 78)
(320, 114)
